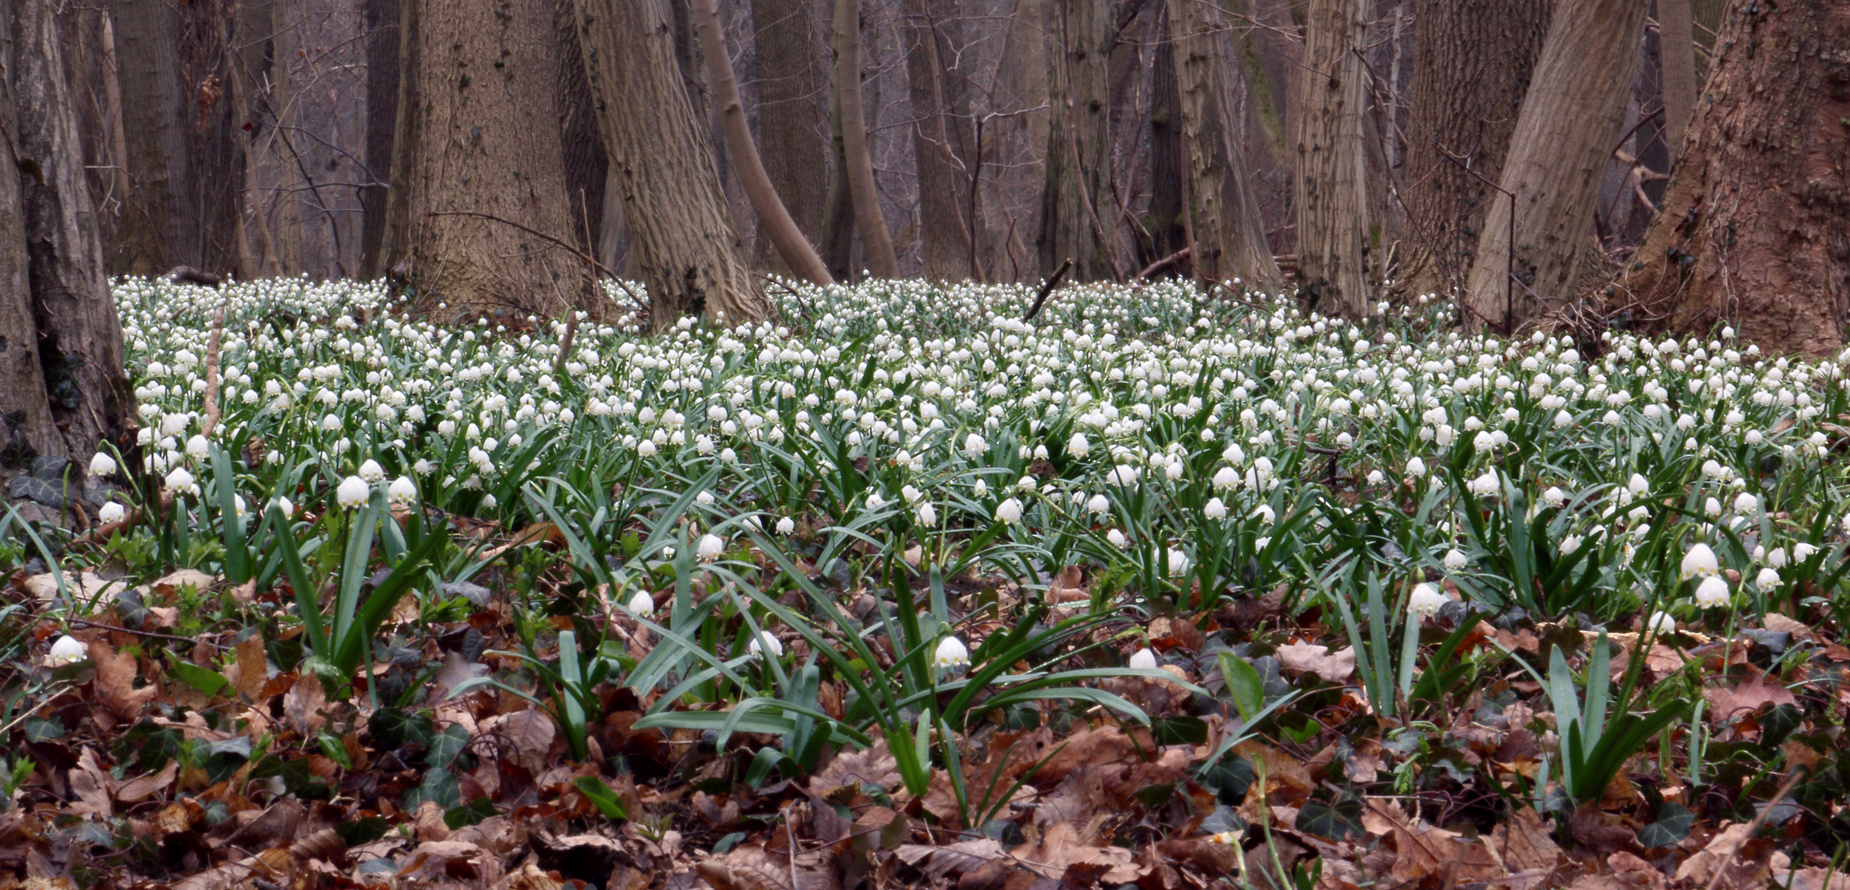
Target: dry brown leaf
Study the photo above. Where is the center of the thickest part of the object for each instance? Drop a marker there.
(1742, 858)
(141, 788)
(856, 769)
(1782, 624)
(1311, 658)
(1811, 879)
(91, 786)
(952, 860)
(1098, 745)
(84, 587)
(1524, 843)
(251, 669)
(752, 867)
(1747, 698)
(443, 856)
(1287, 782)
(115, 682)
(1423, 852)
(302, 706)
(1066, 846)
(526, 734)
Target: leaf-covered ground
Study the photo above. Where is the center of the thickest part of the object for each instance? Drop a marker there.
(1156, 591)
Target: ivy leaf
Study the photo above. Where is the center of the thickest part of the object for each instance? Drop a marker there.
(1673, 824)
(1333, 820)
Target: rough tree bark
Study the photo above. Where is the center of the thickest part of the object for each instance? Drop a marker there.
(942, 137)
(1471, 65)
(160, 226)
(793, 124)
(774, 219)
(489, 144)
(62, 384)
(1227, 234)
(380, 19)
(395, 230)
(683, 241)
(1076, 208)
(1330, 184)
(1677, 38)
(876, 240)
(837, 245)
(1564, 136)
(1752, 231)
(1167, 219)
(587, 168)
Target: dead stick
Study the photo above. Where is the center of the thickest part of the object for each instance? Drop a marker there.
(1754, 826)
(210, 422)
(1164, 263)
(1052, 282)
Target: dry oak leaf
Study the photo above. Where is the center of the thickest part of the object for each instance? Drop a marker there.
(302, 706)
(1065, 846)
(1423, 852)
(1811, 879)
(1747, 698)
(857, 769)
(1099, 745)
(91, 786)
(444, 857)
(1742, 857)
(115, 682)
(752, 867)
(1785, 624)
(1287, 781)
(1314, 659)
(1524, 843)
(141, 788)
(251, 669)
(951, 860)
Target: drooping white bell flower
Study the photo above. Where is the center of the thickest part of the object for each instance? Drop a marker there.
(763, 643)
(1214, 509)
(1712, 592)
(102, 464)
(974, 446)
(786, 526)
(1455, 559)
(371, 472)
(402, 491)
(1661, 623)
(1415, 468)
(642, 605)
(1078, 446)
(1425, 601)
(1009, 511)
(67, 650)
(1143, 659)
(352, 493)
(111, 512)
(1767, 578)
(1117, 539)
(951, 655)
(709, 548)
(1700, 561)
(181, 482)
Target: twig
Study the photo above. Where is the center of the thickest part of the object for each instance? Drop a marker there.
(212, 350)
(155, 635)
(1053, 281)
(1164, 263)
(1754, 826)
(588, 258)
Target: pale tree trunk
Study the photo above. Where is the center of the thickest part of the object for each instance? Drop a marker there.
(940, 145)
(837, 245)
(773, 218)
(62, 385)
(380, 18)
(1471, 65)
(1752, 232)
(1677, 40)
(683, 241)
(1076, 204)
(1564, 136)
(793, 124)
(487, 192)
(1330, 185)
(1227, 235)
(876, 239)
(292, 197)
(160, 227)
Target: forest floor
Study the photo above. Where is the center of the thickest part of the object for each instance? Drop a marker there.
(1155, 591)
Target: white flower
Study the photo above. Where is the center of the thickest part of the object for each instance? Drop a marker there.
(353, 492)
(709, 548)
(975, 447)
(951, 655)
(111, 512)
(642, 605)
(102, 464)
(1712, 592)
(927, 515)
(1637, 485)
(1143, 660)
(1700, 561)
(1123, 476)
(1098, 505)
(1776, 557)
(980, 489)
(1117, 539)
(66, 650)
(763, 643)
(1803, 551)
(1713, 508)
(1455, 560)
(1746, 503)
(1767, 579)
(1570, 544)
(786, 526)
(1226, 478)
(1661, 623)
(1214, 509)
(1415, 468)
(1178, 562)
(1009, 511)
(1554, 497)
(1484, 441)
(287, 507)
(1425, 601)
(1078, 446)
(1485, 485)
(181, 482)
(402, 490)
(1265, 514)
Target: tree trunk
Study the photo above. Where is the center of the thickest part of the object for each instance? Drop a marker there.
(1677, 42)
(489, 146)
(876, 240)
(380, 19)
(1564, 136)
(773, 218)
(1464, 101)
(793, 117)
(395, 231)
(1076, 202)
(1167, 220)
(683, 242)
(1331, 185)
(837, 246)
(1227, 234)
(1752, 231)
(586, 165)
(160, 226)
(62, 384)
(940, 147)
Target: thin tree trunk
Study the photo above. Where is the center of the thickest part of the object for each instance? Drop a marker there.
(1677, 42)
(159, 219)
(1752, 231)
(937, 140)
(1563, 138)
(837, 246)
(684, 242)
(1076, 198)
(395, 232)
(1167, 219)
(489, 146)
(773, 218)
(876, 240)
(793, 115)
(60, 337)
(1462, 108)
(1228, 235)
(1331, 185)
(380, 18)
